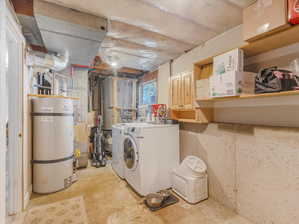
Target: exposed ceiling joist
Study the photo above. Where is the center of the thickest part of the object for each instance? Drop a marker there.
(142, 15)
(24, 7)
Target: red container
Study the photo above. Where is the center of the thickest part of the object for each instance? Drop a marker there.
(293, 6)
(157, 107)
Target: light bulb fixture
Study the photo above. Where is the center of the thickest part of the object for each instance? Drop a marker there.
(113, 64)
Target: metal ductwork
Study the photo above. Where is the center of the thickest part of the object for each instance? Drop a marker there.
(69, 32)
(60, 30)
(56, 63)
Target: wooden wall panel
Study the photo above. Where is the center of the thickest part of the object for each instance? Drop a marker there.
(24, 7)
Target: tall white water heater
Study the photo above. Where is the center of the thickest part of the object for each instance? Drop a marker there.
(53, 144)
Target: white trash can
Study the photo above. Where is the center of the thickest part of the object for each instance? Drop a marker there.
(190, 180)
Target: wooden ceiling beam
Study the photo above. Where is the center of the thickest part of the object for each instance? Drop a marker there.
(38, 48)
(106, 67)
(24, 7)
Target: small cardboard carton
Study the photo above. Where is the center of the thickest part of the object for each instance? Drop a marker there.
(230, 61)
(232, 83)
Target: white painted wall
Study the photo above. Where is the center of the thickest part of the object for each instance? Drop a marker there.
(252, 169)
(222, 43)
(164, 84)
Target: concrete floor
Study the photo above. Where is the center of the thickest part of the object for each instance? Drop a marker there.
(108, 199)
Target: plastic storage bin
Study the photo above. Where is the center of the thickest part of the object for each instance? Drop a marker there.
(190, 180)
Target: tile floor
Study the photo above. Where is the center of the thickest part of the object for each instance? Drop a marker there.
(109, 200)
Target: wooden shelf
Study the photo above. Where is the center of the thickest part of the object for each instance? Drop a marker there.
(190, 121)
(277, 40)
(250, 96)
(196, 115)
(52, 96)
(205, 112)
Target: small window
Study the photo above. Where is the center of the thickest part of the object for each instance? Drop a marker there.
(149, 92)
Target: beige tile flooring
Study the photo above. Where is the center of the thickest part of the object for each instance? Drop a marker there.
(109, 200)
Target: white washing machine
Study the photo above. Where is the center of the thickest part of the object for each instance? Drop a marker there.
(151, 152)
(117, 147)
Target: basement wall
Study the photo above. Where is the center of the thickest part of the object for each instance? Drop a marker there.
(252, 169)
(164, 84)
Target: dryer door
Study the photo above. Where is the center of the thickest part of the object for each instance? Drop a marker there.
(130, 153)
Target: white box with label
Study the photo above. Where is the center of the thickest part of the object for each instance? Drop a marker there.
(232, 83)
(230, 61)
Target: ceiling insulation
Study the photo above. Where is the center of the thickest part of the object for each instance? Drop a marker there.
(130, 60)
(147, 38)
(142, 15)
(110, 45)
(144, 51)
(145, 33)
(199, 13)
(242, 3)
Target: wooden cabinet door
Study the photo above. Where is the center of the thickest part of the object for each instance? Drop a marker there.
(187, 90)
(176, 92)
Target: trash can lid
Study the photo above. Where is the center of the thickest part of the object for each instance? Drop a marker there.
(195, 164)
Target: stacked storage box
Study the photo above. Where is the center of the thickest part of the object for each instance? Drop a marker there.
(228, 77)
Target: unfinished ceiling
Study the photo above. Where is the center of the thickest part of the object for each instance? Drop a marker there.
(143, 34)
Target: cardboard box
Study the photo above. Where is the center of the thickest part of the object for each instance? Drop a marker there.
(264, 18)
(230, 61)
(232, 83)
